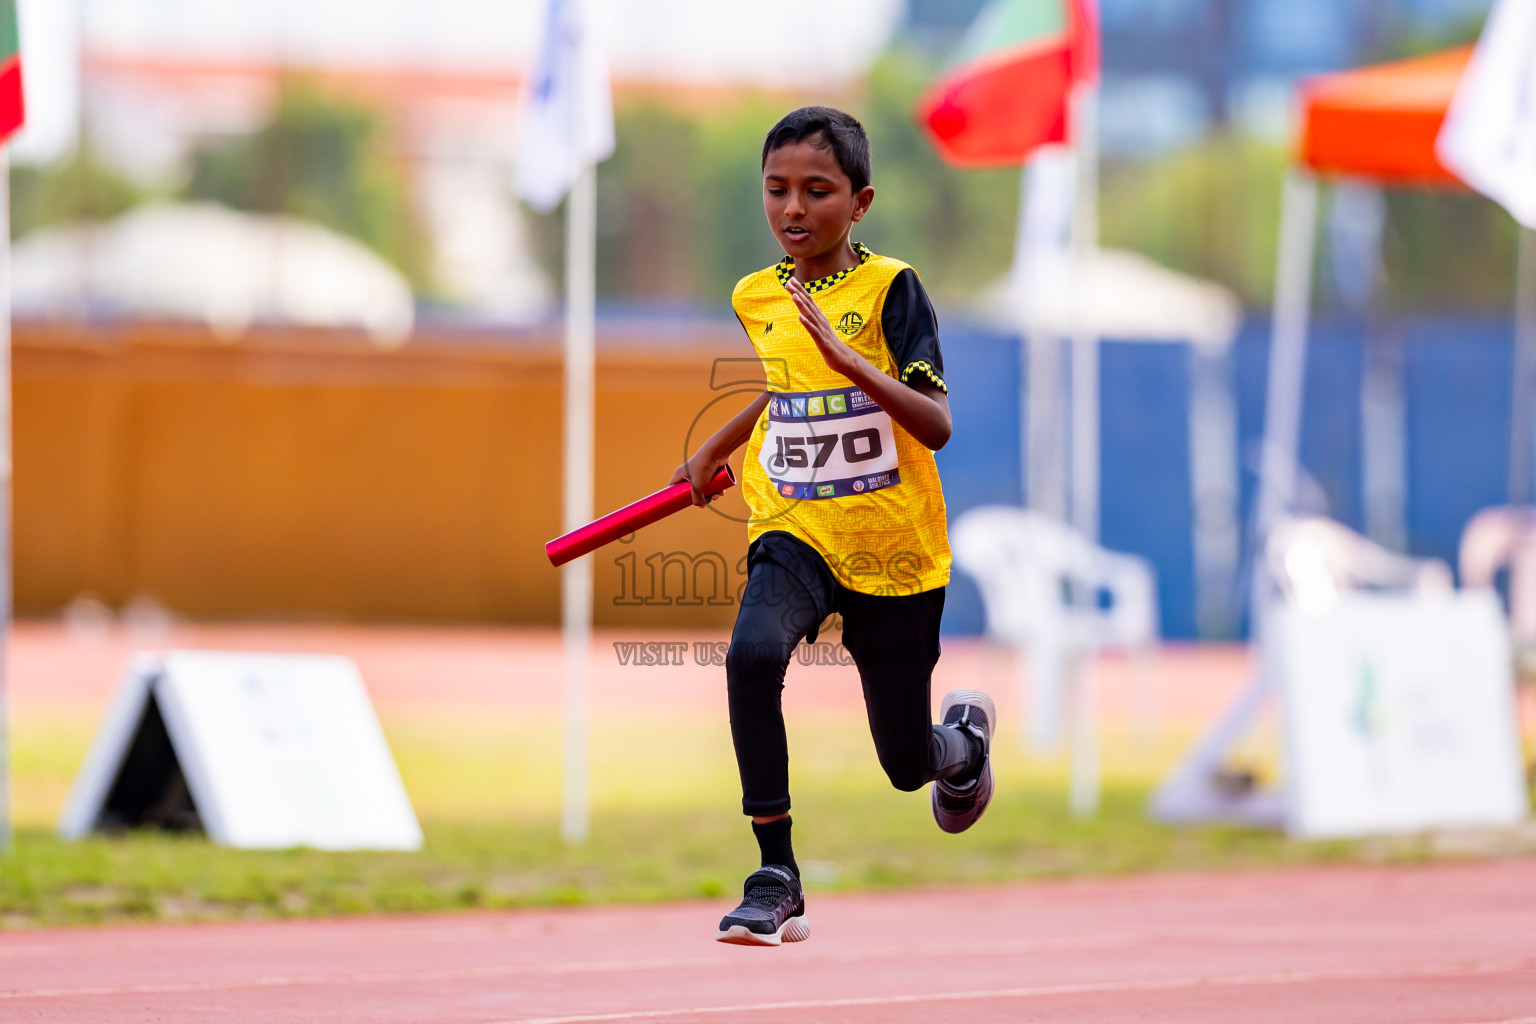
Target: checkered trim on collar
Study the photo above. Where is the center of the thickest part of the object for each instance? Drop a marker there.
(921, 366)
(786, 270)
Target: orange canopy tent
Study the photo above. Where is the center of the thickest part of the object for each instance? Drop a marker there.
(1380, 122)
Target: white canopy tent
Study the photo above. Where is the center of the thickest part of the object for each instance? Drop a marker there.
(208, 263)
(1130, 297)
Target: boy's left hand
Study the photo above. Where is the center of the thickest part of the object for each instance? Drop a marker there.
(839, 355)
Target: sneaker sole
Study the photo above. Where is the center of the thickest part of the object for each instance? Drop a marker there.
(985, 801)
(952, 699)
(955, 697)
(796, 929)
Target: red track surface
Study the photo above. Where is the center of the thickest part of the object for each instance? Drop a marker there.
(1449, 944)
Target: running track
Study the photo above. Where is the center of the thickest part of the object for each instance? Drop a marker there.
(1447, 944)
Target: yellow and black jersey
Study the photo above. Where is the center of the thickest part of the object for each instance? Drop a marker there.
(825, 463)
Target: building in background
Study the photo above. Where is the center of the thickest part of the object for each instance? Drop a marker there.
(1178, 69)
(146, 83)
(150, 82)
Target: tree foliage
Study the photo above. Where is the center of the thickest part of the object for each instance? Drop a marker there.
(322, 159)
(1213, 210)
(955, 227)
(680, 202)
(680, 208)
(80, 187)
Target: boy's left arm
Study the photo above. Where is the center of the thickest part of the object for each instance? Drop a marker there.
(921, 408)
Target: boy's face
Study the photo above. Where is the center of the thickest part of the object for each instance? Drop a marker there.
(809, 200)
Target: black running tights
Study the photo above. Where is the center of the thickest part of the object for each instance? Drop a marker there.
(894, 641)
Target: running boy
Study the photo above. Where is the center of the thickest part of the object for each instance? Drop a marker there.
(847, 514)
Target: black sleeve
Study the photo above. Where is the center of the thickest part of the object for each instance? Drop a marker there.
(912, 331)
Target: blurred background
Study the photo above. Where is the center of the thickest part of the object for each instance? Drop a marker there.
(371, 441)
(287, 376)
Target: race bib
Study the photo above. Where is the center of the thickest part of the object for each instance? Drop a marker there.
(828, 444)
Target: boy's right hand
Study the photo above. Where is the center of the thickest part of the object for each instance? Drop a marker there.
(698, 471)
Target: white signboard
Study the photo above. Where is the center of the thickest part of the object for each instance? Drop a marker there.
(266, 750)
(1400, 715)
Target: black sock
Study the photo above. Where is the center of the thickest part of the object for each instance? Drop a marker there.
(978, 754)
(773, 841)
(955, 753)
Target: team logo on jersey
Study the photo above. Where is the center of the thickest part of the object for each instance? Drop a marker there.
(851, 324)
(768, 327)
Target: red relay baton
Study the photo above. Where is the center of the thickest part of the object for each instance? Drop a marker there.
(632, 517)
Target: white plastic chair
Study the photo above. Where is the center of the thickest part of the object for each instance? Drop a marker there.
(1315, 560)
(1042, 583)
(1499, 538)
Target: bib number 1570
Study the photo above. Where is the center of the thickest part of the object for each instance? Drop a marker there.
(857, 446)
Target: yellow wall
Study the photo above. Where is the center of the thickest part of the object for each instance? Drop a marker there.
(293, 474)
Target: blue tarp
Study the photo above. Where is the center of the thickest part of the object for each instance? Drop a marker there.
(1457, 379)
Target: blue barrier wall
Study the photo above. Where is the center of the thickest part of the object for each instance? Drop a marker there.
(1456, 374)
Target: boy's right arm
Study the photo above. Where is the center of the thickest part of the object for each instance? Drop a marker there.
(712, 454)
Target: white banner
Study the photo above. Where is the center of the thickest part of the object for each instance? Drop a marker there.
(1399, 715)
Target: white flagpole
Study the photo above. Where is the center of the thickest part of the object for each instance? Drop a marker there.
(1522, 438)
(1285, 387)
(1045, 218)
(1085, 341)
(567, 130)
(576, 577)
(1085, 785)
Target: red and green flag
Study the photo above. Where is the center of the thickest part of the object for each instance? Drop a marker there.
(12, 110)
(1007, 88)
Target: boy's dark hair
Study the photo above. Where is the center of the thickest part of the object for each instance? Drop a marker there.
(842, 132)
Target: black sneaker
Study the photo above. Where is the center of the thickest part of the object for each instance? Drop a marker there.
(772, 910)
(958, 801)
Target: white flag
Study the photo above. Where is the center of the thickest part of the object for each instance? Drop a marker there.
(567, 117)
(1489, 137)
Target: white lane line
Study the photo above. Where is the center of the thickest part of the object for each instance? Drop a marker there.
(159, 939)
(1041, 991)
(358, 978)
(1109, 941)
(720, 960)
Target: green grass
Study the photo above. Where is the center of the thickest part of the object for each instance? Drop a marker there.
(665, 826)
(847, 840)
